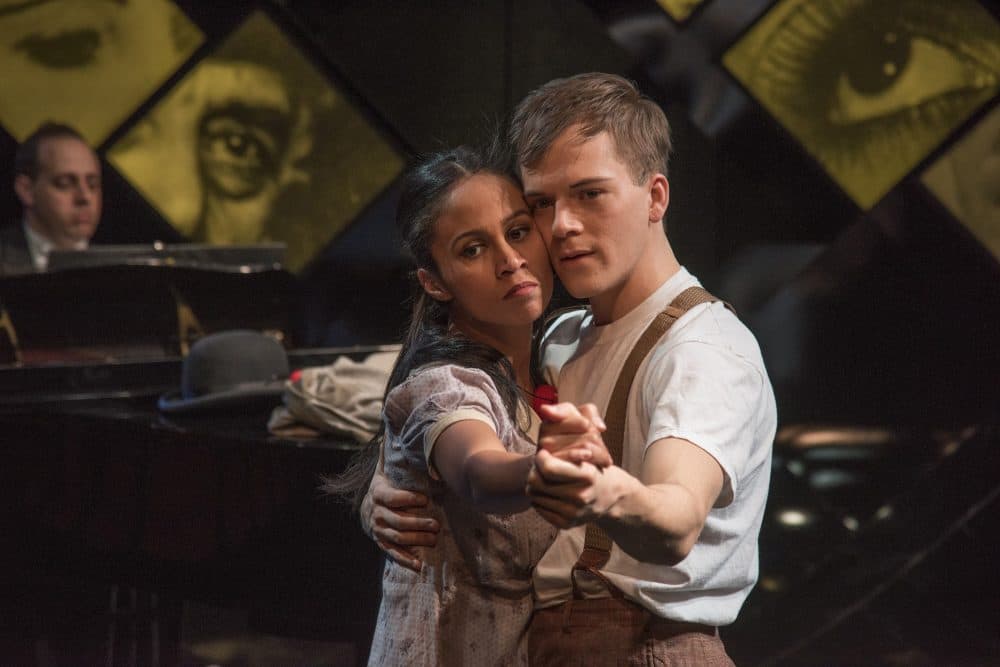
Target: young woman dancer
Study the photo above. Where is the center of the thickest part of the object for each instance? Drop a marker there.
(457, 422)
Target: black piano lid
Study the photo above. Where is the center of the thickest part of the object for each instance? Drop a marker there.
(137, 311)
(245, 258)
(121, 330)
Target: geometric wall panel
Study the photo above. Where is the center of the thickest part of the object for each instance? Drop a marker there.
(870, 87)
(255, 144)
(966, 180)
(679, 10)
(89, 64)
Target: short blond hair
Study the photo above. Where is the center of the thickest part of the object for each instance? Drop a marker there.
(595, 102)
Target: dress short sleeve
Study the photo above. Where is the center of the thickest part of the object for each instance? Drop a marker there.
(432, 399)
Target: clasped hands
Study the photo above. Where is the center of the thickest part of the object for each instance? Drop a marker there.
(567, 484)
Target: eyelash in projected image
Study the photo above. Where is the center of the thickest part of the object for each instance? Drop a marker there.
(870, 87)
(238, 155)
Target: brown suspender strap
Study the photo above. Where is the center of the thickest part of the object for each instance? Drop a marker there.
(597, 545)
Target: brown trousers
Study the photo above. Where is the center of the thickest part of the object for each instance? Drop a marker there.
(614, 631)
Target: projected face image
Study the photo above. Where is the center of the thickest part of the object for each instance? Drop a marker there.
(86, 62)
(254, 144)
(229, 138)
(966, 180)
(870, 87)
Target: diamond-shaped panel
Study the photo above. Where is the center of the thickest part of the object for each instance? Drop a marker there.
(89, 64)
(679, 10)
(966, 179)
(870, 87)
(255, 144)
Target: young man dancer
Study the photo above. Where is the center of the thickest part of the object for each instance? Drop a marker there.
(684, 506)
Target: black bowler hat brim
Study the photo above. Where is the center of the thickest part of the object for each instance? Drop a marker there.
(174, 403)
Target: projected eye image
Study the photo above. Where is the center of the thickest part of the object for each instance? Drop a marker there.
(679, 10)
(255, 144)
(89, 63)
(870, 87)
(966, 179)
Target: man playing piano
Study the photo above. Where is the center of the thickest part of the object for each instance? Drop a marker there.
(58, 182)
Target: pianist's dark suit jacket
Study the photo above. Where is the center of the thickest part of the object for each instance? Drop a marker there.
(14, 254)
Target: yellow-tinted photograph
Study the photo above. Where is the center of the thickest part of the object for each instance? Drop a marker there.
(966, 179)
(254, 144)
(870, 87)
(679, 10)
(88, 63)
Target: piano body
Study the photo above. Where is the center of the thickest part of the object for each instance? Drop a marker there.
(114, 515)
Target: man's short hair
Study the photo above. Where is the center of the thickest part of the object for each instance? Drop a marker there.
(596, 102)
(26, 160)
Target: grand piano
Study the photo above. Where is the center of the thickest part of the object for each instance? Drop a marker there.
(115, 518)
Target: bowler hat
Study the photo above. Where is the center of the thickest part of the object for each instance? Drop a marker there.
(229, 369)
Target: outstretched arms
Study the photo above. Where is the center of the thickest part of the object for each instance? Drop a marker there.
(467, 457)
(656, 517)
(475, 464)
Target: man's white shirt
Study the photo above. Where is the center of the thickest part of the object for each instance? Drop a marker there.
(704, 382)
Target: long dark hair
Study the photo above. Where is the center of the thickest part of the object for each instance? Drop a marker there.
(425, 190)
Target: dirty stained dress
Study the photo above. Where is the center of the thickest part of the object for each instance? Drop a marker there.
(471, 603)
